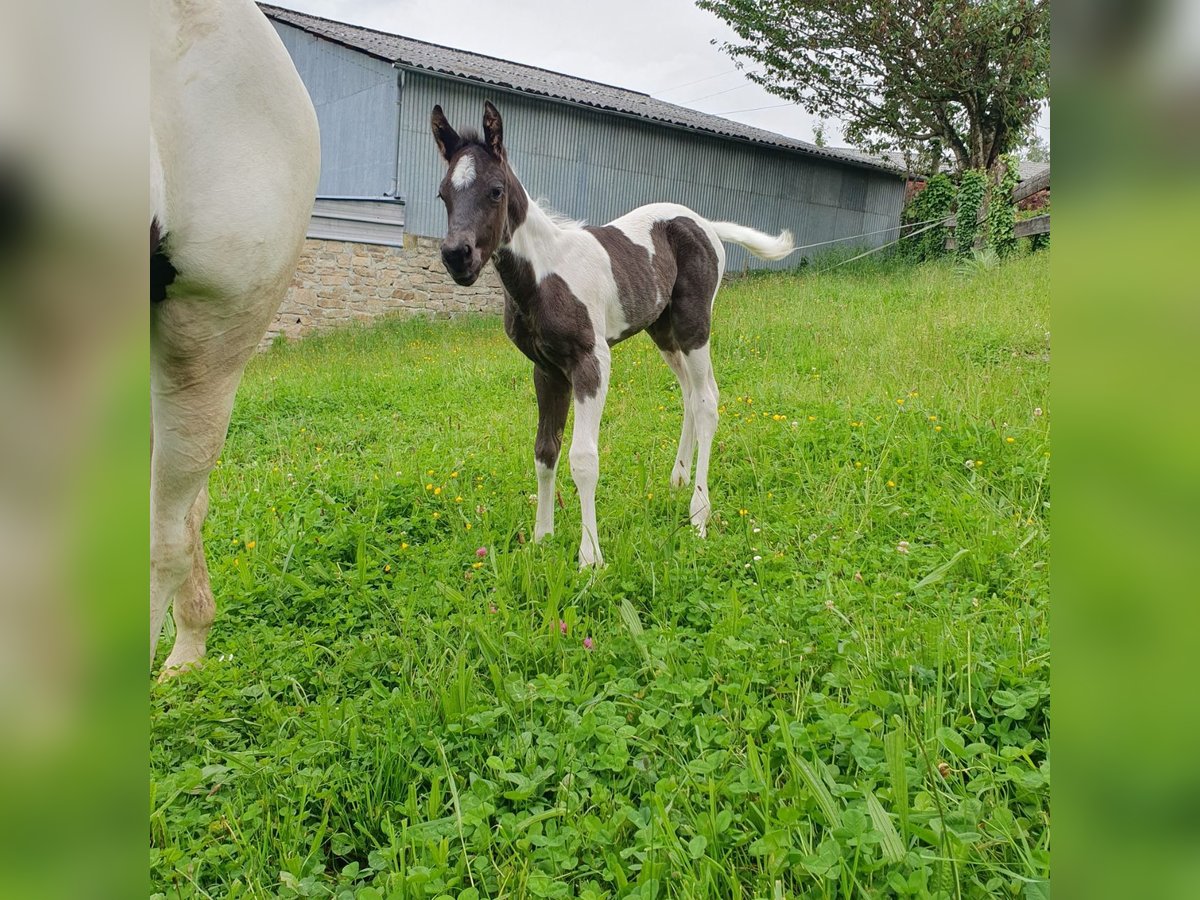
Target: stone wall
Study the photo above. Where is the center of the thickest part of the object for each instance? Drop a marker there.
(338, 282)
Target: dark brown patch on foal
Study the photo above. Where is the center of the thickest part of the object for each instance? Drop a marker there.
(686, 322)
(549, 324)
(554, 399)
(643, 282)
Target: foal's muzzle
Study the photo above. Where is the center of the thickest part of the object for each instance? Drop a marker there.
(461, 259)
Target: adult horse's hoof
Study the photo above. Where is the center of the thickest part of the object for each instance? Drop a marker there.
(171, 670)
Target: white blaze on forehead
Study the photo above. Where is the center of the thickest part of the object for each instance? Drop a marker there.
(464, 172)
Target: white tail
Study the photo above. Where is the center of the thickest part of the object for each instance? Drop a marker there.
(761, 245)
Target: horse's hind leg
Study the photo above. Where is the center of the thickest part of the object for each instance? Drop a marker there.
(681, 473)
(199, 351)
(194, 607)
(660, 332)
(705, 399)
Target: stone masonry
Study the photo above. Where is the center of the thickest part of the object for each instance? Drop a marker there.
(338, 282)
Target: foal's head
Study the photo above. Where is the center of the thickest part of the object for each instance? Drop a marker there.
(475, 191)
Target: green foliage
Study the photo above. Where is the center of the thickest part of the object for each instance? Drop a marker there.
(1002, 211)
(1036, 149)
(971, 189)
(843, 691)
(981, 260)
(967, 73)
(1039, 242)
(932, 203)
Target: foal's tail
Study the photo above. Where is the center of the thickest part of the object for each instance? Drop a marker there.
(761, 245)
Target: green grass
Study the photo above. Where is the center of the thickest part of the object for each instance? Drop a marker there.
(795, 707)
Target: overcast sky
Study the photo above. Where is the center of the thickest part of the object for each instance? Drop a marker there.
(659, 47)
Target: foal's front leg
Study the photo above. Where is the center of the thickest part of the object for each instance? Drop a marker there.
(554, 398)
(589, 378)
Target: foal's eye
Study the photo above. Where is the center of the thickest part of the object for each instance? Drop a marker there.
(497, 193)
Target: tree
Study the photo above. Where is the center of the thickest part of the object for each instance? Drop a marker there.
(1036, 149)
(902, 73)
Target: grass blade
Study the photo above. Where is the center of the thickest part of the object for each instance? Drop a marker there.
(940, 572)
(889, 840)
(808, 774)
(894, 753)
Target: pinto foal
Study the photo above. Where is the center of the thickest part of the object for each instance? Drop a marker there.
(573, 291)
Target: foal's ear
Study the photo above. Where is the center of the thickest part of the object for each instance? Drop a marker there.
(493, 129)
(447, 138)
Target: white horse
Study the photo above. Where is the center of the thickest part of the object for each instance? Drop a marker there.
(234, 161)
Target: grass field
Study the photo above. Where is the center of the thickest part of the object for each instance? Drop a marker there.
(843, 691)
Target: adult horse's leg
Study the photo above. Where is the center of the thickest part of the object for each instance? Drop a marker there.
(194, 607)
(705, 398)
(554, 399)
(199, 349)
(590, 382)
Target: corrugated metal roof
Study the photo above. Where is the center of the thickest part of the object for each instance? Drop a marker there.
(1026, 169)
(408, 52)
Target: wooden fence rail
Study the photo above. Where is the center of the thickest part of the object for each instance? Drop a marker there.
(1024, 227)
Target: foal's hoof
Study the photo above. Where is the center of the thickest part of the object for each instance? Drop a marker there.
(679, 477)
(590, 559)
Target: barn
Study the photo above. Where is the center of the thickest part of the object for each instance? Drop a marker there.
(593, 151)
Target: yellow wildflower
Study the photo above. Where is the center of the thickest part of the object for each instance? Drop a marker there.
(437, 491)
(250, 545)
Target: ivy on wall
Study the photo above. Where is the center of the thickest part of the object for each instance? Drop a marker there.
(933, 203)
(1002, 212)
(971, 191)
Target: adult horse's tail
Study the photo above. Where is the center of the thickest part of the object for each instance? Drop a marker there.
(761, 245)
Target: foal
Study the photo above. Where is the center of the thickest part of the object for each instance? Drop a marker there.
(573, 291)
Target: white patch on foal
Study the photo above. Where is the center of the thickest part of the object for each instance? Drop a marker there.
(463, 175)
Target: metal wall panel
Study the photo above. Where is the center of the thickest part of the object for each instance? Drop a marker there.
(355, 99)
(364, 221)
(595, 166)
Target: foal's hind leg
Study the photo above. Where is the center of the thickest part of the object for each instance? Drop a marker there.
(681, 474)
(705, 399)
(661, 333)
